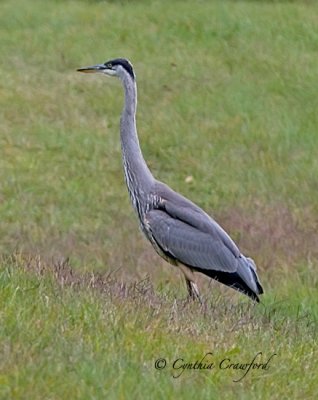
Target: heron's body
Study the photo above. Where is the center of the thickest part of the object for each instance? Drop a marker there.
(180, 231)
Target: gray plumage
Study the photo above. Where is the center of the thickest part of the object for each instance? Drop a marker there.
(180, 231)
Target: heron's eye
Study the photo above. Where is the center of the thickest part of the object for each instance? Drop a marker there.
(109, 66)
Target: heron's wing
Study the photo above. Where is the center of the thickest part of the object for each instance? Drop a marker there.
(181, 237)
(179, 207)
(194, 216)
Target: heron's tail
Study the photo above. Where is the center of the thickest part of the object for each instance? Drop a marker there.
(244, 279)
(247, 272)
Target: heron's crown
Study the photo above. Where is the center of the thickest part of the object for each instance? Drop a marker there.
(126, 64)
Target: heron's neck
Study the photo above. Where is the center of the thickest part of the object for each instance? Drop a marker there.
(137, 174)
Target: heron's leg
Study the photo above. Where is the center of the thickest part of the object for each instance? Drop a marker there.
(193, 290)
(192, 287)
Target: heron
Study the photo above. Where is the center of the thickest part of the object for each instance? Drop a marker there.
(179, 230)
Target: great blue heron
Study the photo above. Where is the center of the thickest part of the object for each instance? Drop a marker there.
(180, 231)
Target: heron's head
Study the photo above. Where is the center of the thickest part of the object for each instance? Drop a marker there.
(117, 67)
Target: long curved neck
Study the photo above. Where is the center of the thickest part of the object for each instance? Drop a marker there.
(137, 174)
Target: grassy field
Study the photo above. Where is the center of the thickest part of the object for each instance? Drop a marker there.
(227, 96)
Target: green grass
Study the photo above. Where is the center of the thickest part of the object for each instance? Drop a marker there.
(227, 95)
(80, 336)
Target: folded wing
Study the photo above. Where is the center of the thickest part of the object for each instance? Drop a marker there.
(186, 234)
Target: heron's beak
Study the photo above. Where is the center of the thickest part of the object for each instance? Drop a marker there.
(93, 69)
